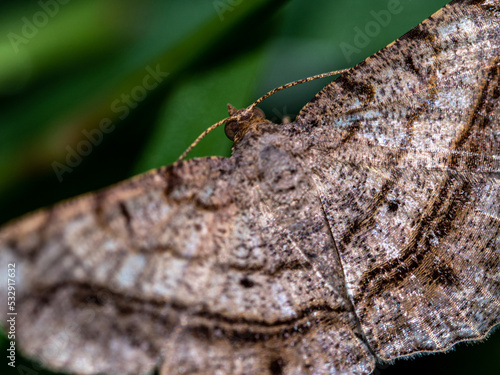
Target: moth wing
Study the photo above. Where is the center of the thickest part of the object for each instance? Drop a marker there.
(406, 157)
(189, 268)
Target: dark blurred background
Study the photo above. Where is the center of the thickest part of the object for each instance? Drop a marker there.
(93, 92)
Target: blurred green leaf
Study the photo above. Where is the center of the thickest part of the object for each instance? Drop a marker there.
(232, 82)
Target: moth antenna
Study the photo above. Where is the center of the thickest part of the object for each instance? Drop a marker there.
(201, 136)
(294, 83)
(254, 104)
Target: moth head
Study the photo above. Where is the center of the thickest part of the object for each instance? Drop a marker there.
(241, 120)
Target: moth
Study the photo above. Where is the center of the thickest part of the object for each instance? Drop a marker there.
(366, 230)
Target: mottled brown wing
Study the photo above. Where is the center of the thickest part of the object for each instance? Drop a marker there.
(405, 153)
(210, 266)
(231, 265)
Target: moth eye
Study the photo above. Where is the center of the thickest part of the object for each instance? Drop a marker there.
(231, 128)
(257, 112)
